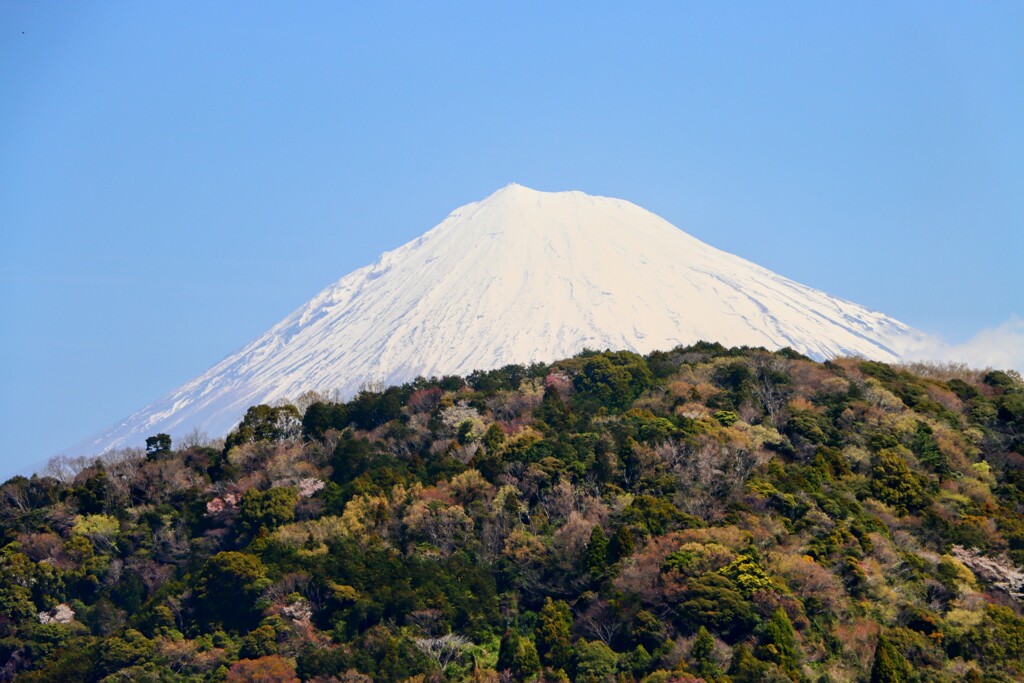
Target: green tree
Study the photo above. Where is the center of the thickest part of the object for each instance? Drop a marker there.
(101, 530)
(321, 416)
(493, 437)
(654, 515)
(1011, 412)
(259, 642)
(129, 649)
(703, 652)
(96, 494)
(16, 606)
(736, 378)
(714, 600)
(995, 642)
(889, 665)
(266, 423)
(370, 409)
(158, 445)
(518, 656)
(748, 575)
(778, 642)
(553, 634)
(745, 667)
(612, 380)
(621, 545)
(594, 661)
(228, 587)
(352, 457)
(810, 426)
(552, 410)
(597, 551)
(267, 510)
(927, 451)
(892, 481)
(130, 592)
(649, 631)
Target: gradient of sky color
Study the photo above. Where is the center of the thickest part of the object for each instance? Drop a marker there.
(177, 177)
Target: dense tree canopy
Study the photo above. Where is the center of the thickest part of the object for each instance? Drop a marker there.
(701, 513)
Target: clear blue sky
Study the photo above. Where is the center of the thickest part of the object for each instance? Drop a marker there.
(177, 177)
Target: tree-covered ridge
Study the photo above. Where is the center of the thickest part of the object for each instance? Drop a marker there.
(699, 514)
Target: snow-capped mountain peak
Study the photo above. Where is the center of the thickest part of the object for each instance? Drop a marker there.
(520, 276)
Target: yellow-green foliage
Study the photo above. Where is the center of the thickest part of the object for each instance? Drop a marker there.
(312, 534)
(366, 516)
(99, 529)
(749, 575)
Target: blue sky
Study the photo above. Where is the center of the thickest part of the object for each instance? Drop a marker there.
(177, 177)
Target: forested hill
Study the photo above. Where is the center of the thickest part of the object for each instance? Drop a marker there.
(698, 514)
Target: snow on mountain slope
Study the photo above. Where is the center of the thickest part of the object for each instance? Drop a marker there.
(521, 276)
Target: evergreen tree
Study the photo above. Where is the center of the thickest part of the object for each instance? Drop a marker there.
(229, 585)
(158, 445)
(892, 481)
(745, 667)
(703, 655)
(594, 661)
(621, 545)
(517, 655)
(553, 634)
(889, 666)
(597, 552)
(493, 438)
(928, 452)
(267, 509)
(552, 410)
(778, 643)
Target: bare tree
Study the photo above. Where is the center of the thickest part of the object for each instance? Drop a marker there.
(445, 649)
(123, 466)
(64, 468)
(598, 621)
(427, 620)
(308, 398)
(769, 385)
(373, 386)
(15, 495)
(999, 571)
(195, 438)
(709, 473)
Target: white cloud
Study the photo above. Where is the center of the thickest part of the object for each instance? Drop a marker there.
(1000, 347)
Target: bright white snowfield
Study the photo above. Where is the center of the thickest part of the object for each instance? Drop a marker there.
(521, 276)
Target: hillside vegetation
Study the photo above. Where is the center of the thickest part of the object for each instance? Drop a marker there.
(700, 514)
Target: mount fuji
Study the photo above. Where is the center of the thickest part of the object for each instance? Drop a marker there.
(518, 277)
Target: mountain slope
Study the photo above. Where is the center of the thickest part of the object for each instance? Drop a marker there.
(521, 276)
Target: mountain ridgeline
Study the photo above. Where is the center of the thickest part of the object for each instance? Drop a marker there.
(521, 276)
(702, 514)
